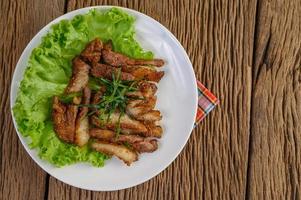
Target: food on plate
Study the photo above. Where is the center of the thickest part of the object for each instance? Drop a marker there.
(127, 155)
(123, 126)
(92, 52)
(80, 76)
(106, 71)
(142, 72)
(89, 92)
(64, 117)
(145, 90)
(102, 134)
(117, 59)
(138, 143)
(136, 108)
(122, 121)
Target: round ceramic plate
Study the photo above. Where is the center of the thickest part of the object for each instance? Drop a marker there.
(177, 100)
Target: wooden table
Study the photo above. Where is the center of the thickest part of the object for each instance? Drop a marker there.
(247, 52)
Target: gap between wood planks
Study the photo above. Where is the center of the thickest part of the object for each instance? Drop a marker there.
(273, 158)
(258, 63)
(247, 185)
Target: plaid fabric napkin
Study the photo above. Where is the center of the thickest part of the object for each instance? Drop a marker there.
(207, 101)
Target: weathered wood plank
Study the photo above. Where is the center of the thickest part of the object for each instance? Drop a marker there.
(218, 37)
(225, 62)
(20, 177)
(219, 40)
(275, 165)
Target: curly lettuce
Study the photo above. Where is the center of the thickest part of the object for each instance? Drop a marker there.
(49, 70)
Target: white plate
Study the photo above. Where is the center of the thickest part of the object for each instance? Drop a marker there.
(177, 100)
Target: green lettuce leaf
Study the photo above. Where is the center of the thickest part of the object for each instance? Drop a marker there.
(49, 70)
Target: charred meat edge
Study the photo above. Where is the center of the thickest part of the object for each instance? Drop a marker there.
(80, 76)
(143, 72)
(138, 143)
(120, 151)
(64, 117)
(106, 71)
(118, 59)
(92, 52)
(127, 125)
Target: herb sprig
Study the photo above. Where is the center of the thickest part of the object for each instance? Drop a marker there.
(114, 97)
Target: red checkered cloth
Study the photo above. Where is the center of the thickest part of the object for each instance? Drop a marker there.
(206, 103)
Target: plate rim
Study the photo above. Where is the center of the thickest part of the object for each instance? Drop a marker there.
(17, 83)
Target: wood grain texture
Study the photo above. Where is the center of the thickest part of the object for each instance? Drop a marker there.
(20, 177)
(224, 65)
(248, 52)
(275, 165)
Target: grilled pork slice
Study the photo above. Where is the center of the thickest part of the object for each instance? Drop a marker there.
(138, 143)
(155, 62)
(154, 76)
(92, 52)
(146, 146)
(131, 125)
(146, 129)
(135, 108)
(64, 117)
(145, 90)
(142, 72)
(117, 59)
(151, 116)
(153, 130)
(80, 76)
(82, 132)
(127, 125)
(102, 134)
(120, 151)
(106, 71)
(82, 122)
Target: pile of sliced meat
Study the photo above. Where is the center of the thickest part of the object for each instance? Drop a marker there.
(138, 126)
